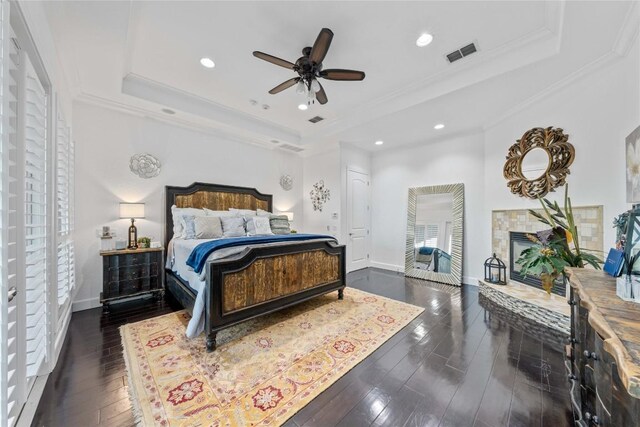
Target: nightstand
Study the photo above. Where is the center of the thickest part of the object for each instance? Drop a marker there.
(128, 273)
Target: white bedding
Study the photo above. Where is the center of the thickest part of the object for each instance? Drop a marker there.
(178, 253)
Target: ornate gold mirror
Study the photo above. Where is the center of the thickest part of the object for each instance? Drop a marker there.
(538, 162)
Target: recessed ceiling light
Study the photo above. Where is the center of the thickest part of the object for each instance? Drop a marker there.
(207, 62)
(438, 126)
(379, 142)
(424, 40)
(303, 107)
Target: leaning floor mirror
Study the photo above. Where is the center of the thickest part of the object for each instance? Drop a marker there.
(434, 233)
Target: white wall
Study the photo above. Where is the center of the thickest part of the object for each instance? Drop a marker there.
(106, 139)
(598, 112)
(324, 166)
(455, 160)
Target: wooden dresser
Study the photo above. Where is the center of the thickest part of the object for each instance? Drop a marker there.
(128, 273)
(604, 351)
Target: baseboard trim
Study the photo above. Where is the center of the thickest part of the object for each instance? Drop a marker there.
(29, 410)
(467, 280)
(385, 266)
(85, 304)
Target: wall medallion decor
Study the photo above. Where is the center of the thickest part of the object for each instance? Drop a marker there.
(538, 162)
(144, 165)
(286, 182)
(633, 166)
(319, 195)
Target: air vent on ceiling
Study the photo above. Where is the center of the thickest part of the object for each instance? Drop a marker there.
(291, 148)
(462, 52)
(275, 141)
(316, 119)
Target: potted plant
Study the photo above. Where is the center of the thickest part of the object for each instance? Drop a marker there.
(558, 247)
(543, 260)
(144, 242)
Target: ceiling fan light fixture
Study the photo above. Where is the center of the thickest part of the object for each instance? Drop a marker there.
(207, 62)
(303, 107)
(300, 89)
(439, 126)
(315, 86)
(424, 40)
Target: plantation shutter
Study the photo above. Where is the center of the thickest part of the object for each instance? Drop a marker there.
(419, 237)
(64, 202)
(9, 219)
(431, 236)
(35, 225)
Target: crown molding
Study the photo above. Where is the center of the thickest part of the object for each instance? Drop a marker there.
(628, 31)
(229, 118)
(535, 46)
(591, 67)
(141, 112)
(627, 35)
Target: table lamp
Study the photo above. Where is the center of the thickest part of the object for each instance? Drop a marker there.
(133, 211)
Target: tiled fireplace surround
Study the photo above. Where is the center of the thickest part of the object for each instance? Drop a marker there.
(534, 304)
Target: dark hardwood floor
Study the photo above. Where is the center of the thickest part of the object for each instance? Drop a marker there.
(463, 362)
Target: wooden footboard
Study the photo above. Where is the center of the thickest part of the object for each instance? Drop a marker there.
(264, 279)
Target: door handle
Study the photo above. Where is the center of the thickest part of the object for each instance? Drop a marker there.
(350, 234)
(12, 293)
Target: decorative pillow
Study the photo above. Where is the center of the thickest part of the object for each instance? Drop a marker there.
(219, 214)
(261, 212)
(243, 212)
(279, 224)
(233, 226)
(177, 214)
(208, 227)
(188, 227)
(258, 226)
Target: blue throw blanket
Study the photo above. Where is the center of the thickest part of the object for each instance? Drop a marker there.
(199, 254)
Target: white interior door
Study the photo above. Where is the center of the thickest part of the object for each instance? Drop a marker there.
(357, 220)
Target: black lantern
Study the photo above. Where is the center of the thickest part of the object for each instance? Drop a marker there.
(495, 271)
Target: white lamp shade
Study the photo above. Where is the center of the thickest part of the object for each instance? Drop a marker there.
(288, 214)
(131, 210)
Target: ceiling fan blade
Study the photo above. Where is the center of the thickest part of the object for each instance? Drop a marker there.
(321, 46)
(321, 95)
(338, 74)
(273, 59)
(284, 85)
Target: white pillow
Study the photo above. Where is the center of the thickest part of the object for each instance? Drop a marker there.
(258, 226)
(233, 226)
(261, 212)
(208, 227)
(219, 214)
(177, 213)
(243, 212)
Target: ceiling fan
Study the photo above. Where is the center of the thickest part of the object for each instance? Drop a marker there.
(309, 69)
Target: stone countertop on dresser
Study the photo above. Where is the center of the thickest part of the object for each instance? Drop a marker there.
(616, 320)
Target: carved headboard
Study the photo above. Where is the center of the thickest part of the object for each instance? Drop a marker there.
(212, 196)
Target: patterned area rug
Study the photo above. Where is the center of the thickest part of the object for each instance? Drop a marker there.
(264, 370)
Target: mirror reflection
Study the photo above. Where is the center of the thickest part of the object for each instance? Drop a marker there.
(433, 231)
(534, 164)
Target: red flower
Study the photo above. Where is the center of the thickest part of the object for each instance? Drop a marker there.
(386, 319)
(267, 398)
(344, 346)
(165, 339)
(185, 392)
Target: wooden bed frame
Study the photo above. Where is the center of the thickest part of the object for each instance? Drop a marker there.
(260, 280)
